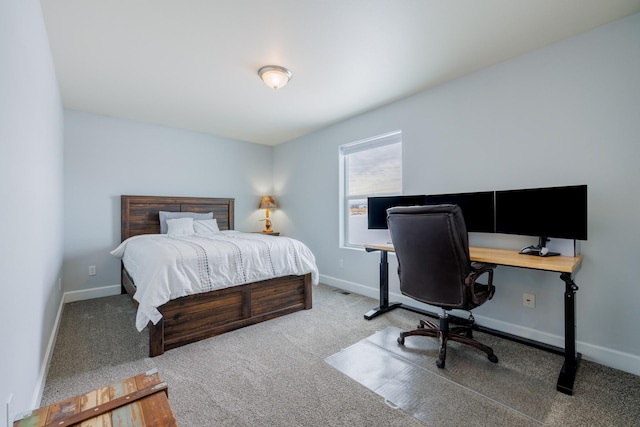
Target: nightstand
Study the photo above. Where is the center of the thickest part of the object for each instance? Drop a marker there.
(274, 233)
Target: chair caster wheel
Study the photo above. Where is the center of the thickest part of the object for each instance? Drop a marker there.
(492, 358)
(400, 340)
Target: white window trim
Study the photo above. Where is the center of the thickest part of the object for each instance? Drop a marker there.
(350, 148)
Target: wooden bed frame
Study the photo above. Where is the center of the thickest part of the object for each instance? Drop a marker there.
(196, 317)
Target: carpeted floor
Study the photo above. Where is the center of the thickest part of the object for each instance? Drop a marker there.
(275, 373)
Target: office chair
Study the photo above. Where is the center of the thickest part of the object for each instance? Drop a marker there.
(434, 267)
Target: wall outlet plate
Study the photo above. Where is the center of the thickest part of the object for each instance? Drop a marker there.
(529, 300)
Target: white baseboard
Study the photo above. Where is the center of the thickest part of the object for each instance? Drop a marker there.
(72, 296)
(350, 286)
(44, 368)
(609, 357)
(604, 356)
(105, 291)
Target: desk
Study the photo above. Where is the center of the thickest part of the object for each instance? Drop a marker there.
(565, 265)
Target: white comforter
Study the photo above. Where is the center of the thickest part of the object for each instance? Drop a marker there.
(167, 267)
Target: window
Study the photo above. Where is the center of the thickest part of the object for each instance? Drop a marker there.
(371, 167)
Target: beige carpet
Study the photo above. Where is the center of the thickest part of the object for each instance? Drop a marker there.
(275, 374)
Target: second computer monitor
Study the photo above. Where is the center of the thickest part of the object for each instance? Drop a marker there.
(477, 208)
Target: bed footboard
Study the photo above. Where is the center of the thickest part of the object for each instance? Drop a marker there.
(196, 317)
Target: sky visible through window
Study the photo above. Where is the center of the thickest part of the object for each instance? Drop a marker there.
(376, 171)
(373, 171)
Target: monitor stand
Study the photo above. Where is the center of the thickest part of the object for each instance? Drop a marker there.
(537, 250)
(542, 241)
(537, 253)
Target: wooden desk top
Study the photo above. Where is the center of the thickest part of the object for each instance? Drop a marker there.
(512, 258)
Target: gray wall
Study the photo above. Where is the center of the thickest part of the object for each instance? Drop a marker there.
(563, 115)
(106, 157)
(31, 193)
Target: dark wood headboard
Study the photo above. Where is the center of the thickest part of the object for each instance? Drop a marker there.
(139, 214)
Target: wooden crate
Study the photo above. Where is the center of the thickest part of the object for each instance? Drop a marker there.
(139, 401)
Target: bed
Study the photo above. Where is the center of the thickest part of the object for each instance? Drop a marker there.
(191, 318)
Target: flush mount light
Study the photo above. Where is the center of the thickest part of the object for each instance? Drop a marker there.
(274, 76)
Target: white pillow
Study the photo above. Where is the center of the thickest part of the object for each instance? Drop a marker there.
(180, 226)
(165, 215)
(205, 226)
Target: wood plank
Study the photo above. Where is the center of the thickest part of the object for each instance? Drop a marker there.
(220, 212)
(203, 301)
(36, 418)
(125, 416)
(148, 379)
(156, 337)
(124, 403)
(91, 400)
(157, 412)
(139, 401)
(190, 322)
(156, 407)
(139, 214)
(308, 293)
(512, 258)
(127, 285)
(63, 409)
(277, 297)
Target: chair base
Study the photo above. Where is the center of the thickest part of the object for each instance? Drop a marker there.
(461, 334)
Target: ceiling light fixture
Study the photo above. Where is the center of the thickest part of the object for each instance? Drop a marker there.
(274, 76)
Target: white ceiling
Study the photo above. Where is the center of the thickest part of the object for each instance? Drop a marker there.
(192, 64)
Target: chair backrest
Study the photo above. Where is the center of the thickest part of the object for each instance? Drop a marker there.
(432, 247)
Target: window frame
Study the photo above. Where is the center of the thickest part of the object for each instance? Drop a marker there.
(390, 138)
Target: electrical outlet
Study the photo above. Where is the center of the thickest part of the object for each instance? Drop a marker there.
(60, 283)
(92, 270)
(341, 263)
(529, 300)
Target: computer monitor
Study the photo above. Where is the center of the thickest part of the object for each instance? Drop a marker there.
(559, 212)
(477, 208)
(377, 208)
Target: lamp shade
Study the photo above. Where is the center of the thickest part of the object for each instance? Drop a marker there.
(274, 76)
(267, 202)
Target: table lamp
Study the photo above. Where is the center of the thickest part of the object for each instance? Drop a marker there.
(267, 202)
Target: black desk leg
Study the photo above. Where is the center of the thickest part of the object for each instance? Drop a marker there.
(384, 289)
(571, 357)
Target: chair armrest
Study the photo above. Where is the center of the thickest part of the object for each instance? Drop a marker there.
(477, 270)
(482, 266)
